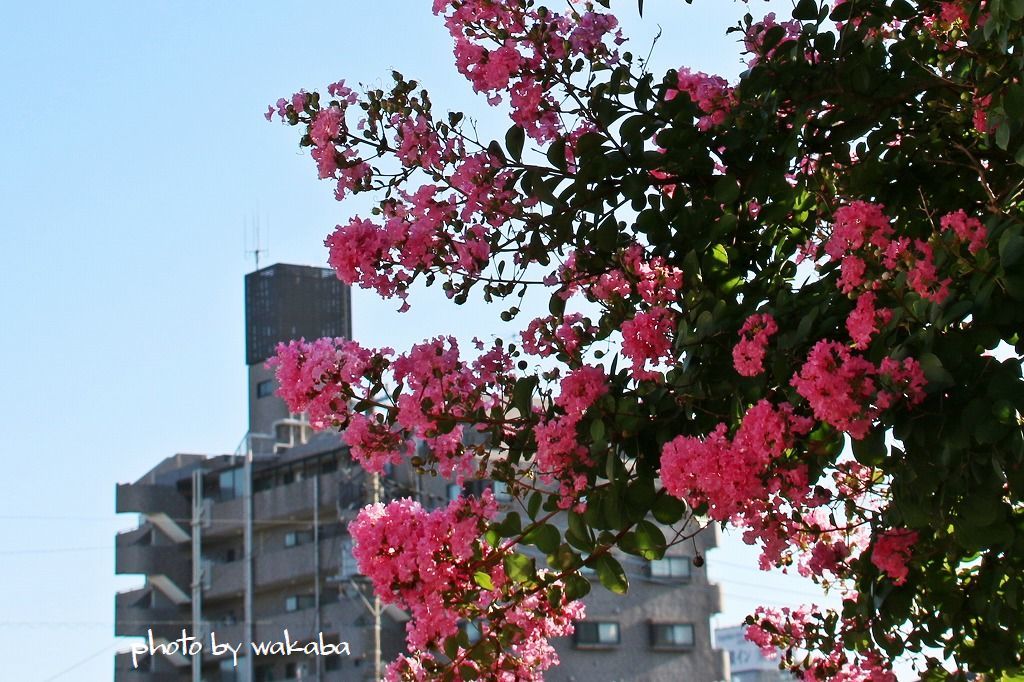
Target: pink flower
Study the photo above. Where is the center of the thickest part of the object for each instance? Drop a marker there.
(748, 354)
(864, 321)
(648, 338)
(967, 229)
(580, 388)
(729, 475)
(892, 552)
(839, 386)
(711, 94)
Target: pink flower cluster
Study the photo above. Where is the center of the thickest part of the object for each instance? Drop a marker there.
(727, 475)
(790, 629)
(842, 389)
(441, 388)
(417, 235)
(443, 393)
(317, 377)
(657, 282)
(651, 280)
(560, 456)
(748, 354)
(892, 551)
(546, 336)
(711, 94)
(524, 629)
(862, 242)
(648, 338)
(424, 561)
(865, 320)
(968, 229)
(753, 38)
(418, 144)
(511, 48)
(430, 562)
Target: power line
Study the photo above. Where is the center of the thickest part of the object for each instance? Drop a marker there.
(82, 662)
(54, 550)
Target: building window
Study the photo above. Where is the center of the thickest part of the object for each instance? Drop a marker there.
(231, 483)
(294, 671)
(501, 493)
(265, 388)
(672, 567)
(597, 634)
(473, 631)
(298, 602)
(298, 537)
(454, 492)
(672, 635)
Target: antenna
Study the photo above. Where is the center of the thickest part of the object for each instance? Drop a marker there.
(253, 231)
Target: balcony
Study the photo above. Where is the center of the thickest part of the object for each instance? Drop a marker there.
(224, 580)
(292, 501)
(336, 621)
(294, 563)
(152, 560)
(136, 621)
(124, 672)
(151, 499)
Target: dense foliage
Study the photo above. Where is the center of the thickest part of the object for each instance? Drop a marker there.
(791, 303)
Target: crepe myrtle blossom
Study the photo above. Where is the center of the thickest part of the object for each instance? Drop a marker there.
(787, 629)
(748, 354)
(892, 552)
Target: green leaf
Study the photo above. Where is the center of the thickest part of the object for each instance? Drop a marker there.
(1003, 135)
(512, 525)
(546, 538)
(1011, 248)
(576, 587)
(533, 505)
(556, 154)
(1013, 101)
(522, 394)
(610, 573)
(520, 568)
(514, 140)
(483, 580)
(556, 305)
(871, 450)
(938, 376)
(727, 190)
(668, 509)
(806, 10)
(650, 541)
(451, 646)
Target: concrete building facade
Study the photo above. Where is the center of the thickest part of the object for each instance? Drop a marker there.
(244, 546)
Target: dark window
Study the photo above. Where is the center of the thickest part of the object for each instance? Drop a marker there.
(672, 635)
(265, 388)
(332, 663)
(298, 537)
(296, 670)
(298, 602)
(597, 634)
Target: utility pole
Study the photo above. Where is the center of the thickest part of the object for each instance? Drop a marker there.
(377, 671)
(197, 570)
(247, 508)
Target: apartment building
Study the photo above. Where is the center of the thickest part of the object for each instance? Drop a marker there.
(244, 546)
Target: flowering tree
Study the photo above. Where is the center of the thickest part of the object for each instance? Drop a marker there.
(772, 303)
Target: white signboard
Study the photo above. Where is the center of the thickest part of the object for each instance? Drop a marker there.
(744, 656)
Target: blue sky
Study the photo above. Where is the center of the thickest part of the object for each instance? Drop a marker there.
(134, 152)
